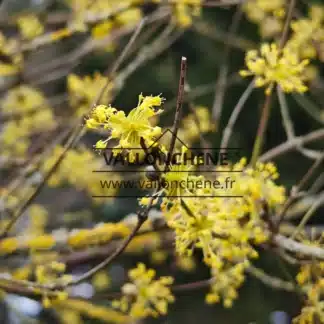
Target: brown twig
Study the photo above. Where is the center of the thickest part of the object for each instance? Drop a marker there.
(177, 116)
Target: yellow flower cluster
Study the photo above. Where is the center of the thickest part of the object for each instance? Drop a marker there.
(101, 281)
(225, 229)
(23, 100)
(33, 243)
(102, 313)
(101, 234)
(189, 131)
(185, 10)
(8, 245)
(83, 91)
(178, 173)
(53, 273)
(38, 216)
(225, 283)
(307, 38)
(268, 15)
(11, 60)
(145, 296)
(35, 115)
(86, 11)
(272, 65)
(127, 129)
(127, 17)
(77, 169)
(30, 26)
(311, 279)
(68, 316)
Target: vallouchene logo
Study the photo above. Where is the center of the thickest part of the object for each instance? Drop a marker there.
(149, 165)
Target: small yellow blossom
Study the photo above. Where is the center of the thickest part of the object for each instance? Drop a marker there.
(45, 241)
(101, 280)
(102, 29)
(51, 273)
(273, 65)
(190, 131)
(11, 60)
(268, 15)
(225, 283)
(23, 99)
(307, 37)
(129, 17)
(145, 296)
(30, 26)
(83, 91)
(75, 165)
(311, 282)
(185, 11)
(8, 245)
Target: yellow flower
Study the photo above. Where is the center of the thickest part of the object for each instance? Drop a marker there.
(307, 38)
(311, 282)
(129, 17)
(128, 129)
(30, 26)
(273, 65)
(184, 11)
(190, 131)
(72, 169)
(145, 296)
(8, 246)
(45, 241)
(11, 60)
(226, 230)
(269, 15)
(101, 280)
(225, 282)
(23, 99)
(102, 29)
(51, 273)
(83, 91)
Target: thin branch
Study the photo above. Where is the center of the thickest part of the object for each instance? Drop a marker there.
(297, 247)
(270, 281)
(293, 144)
(177, 116)
(289, 127)
(287, 122)
(296, 189)
(141, 219)
(308, 215)
(309, 107)
(258, 143)
(235, 114)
